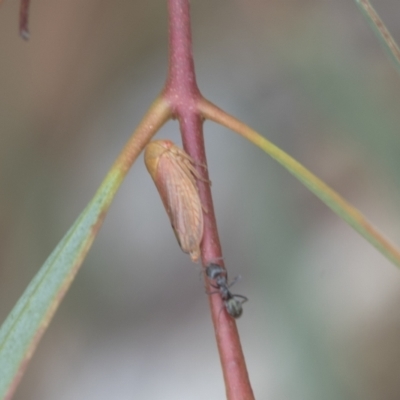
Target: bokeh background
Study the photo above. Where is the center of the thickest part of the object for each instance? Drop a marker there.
(323, 317)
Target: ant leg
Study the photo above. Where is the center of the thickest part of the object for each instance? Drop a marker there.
(244, 298)
(213, 292)
(214, 260)
(237, 278)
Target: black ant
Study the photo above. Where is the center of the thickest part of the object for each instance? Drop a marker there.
(232, 303)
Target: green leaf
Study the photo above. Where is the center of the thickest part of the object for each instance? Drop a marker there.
(23, 328)
(380, 30)
(31, 315)
(332, 199)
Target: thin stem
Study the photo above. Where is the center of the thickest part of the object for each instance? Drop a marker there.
(24, 18)
(183, 95)
(156, 116)
(181, 79)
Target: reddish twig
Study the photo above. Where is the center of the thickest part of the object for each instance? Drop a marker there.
(183, 94)
(23, 19)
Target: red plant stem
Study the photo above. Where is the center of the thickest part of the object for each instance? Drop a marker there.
(183, 94)
(181, 75)
(24, 18)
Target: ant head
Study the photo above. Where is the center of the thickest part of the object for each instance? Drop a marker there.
(215, 270)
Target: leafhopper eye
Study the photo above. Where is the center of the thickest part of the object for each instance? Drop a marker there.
(175, 176)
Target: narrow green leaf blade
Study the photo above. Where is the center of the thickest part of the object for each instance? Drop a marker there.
(23, 328)
(380, 30)
(28, 320)
(332, 199)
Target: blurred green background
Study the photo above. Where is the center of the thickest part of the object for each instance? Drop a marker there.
(323, 320)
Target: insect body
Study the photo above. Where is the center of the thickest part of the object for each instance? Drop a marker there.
(233, 302)
(174, 175)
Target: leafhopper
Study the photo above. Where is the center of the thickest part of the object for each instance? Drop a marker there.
(174, 175)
